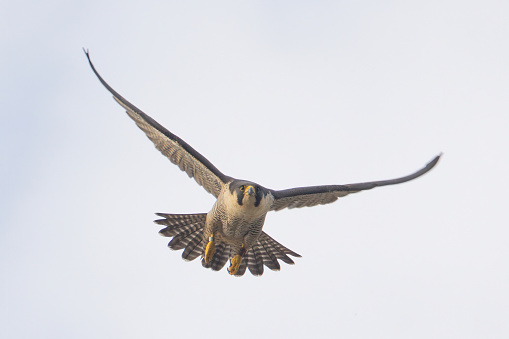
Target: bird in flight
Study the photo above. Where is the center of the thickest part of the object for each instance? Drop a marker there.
(233, 229)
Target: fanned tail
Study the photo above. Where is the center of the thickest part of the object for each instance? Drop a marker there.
(187, 233)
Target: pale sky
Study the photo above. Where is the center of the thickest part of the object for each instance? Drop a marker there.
(283, 93)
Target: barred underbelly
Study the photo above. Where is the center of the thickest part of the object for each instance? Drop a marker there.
(235, 229)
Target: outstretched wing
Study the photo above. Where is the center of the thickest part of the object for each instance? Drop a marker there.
(177, 150)
(321, 195)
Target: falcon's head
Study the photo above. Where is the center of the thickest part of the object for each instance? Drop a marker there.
(248, 193)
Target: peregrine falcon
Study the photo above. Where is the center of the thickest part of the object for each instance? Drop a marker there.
(233, 229)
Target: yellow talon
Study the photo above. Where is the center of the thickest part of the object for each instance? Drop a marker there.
(210, 250)
(235, 264)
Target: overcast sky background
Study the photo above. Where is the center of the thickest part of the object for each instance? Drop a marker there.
(284, 93)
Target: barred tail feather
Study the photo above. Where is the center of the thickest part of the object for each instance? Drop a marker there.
(195, 247)
(273, 252)
(183, 239)
(220, 257)
(276, 249)
(266, 252)
(186, 230)
(269, 259)
(277, 245)
(178, 223)
(243, 265)
(255, 263)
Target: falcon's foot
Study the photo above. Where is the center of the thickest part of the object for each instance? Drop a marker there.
(210, 250)
(235, 264)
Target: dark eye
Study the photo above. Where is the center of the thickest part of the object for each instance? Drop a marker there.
(242, 187)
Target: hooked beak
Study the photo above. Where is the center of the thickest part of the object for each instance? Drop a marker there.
(249, 190)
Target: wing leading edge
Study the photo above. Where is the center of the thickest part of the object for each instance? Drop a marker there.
(321, 195)
(175, 149)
